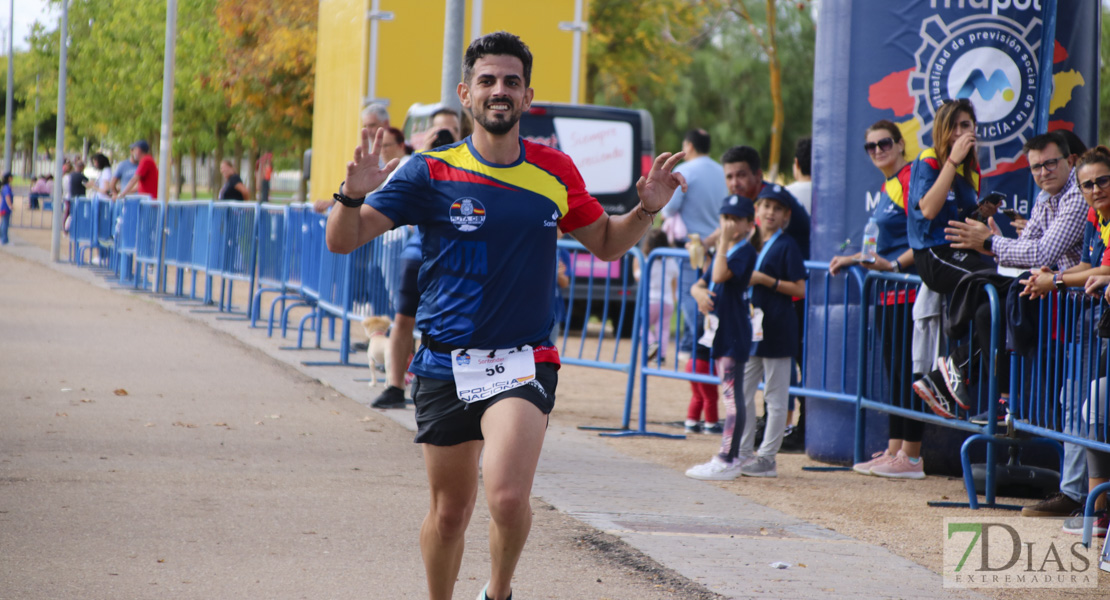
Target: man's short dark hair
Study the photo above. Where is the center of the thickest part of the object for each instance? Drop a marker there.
(744, 154)
(699, 139)
(444, 111)
(803, 153)
(1040, 142)
(498, 42)
(1075, 145)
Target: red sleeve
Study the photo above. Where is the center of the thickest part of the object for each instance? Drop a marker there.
(582, 208)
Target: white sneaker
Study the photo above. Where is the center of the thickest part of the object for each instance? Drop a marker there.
(716, 470)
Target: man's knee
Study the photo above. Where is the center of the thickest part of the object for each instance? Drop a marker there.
(509, 504)
(451, 518)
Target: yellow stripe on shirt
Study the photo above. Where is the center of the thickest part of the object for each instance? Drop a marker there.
(524, 175)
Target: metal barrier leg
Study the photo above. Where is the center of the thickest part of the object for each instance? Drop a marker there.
(1089, 511)
(991, 469)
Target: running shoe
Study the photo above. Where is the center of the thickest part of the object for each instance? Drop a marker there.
(392, 397)
(716, 470)
(930, 392)
(762, 466)
(713, 428)
(1100, 521)
(954, 382)
(901, 467)
(878, 458)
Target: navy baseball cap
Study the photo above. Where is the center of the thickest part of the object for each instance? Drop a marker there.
(739, 207)
(779, 194)
(142, 145)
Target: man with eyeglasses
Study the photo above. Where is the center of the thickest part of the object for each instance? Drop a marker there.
(1054, 232)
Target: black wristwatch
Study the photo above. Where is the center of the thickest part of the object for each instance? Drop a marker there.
(347, 200)
(988, 243)
(1058, 279)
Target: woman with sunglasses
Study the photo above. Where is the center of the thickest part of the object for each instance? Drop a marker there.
(886, 148)
(944, 186)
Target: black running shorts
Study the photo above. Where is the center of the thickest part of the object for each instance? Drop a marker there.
(444, 420)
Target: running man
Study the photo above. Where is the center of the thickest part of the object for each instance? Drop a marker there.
(487, 371)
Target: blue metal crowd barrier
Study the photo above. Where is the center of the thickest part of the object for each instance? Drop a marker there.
(296, 236)
(180, 229)
(233, 237)
(356, 285)
(27, 215)
(271, 254)
(1060, 389)
(127, 238)
(887, 304)
(609, 292)
(819, 288)
(148, 242)
(107, 214)
(81, 229)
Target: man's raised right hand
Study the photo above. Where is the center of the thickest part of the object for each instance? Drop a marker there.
(363, 173)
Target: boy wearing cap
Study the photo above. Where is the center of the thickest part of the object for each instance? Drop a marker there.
(778, 278)
(145, 180)
(722, 295)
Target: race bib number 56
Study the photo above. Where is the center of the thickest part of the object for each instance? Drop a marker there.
(482, 374)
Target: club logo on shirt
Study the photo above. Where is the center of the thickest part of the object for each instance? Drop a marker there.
(467, 214)
(463, 359)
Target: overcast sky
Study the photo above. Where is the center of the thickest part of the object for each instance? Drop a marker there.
(26, 12)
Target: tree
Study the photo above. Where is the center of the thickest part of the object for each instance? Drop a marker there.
(268, 70)
(626, 35)
(724, 86)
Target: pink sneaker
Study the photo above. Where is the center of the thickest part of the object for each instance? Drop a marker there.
(901, 468)
(878, 458)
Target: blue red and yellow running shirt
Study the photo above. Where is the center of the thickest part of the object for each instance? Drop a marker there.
(891, 216)
(926, 233)
(1096, 240)
(488, 276)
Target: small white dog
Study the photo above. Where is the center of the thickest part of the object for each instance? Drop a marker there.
(377, 349)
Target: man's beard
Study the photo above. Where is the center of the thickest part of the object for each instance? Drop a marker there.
(497, 126)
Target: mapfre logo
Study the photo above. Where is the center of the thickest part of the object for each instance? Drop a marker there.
(986, 59)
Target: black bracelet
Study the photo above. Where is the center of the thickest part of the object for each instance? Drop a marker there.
(650, 215)
(347, 200)
(776, 286)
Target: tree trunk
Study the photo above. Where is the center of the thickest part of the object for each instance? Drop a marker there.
(252, 172)
(179, 174)
(214, 168)
(776, 93)
(193, 158)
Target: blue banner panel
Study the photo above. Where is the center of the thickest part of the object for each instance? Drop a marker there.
(878, 59)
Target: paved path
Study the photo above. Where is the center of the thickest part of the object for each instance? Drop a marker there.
(228, 471)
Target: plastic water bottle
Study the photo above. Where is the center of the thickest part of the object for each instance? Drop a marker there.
(870, 241)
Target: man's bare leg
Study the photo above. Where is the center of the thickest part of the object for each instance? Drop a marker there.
(453, 482)
(514, 429)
